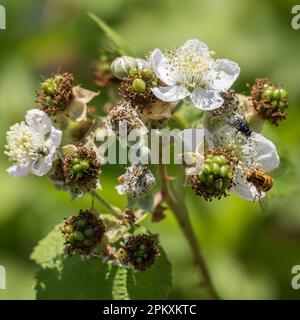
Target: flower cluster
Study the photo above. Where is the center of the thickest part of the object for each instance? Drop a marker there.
(59, 138)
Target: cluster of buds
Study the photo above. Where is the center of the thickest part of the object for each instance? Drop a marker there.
(269, 100)
(139, 251)
(55, 93)
(216, 175)
(81, 169)
(82, 233)
(136, 87)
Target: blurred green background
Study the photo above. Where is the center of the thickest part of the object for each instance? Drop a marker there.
(250, 254)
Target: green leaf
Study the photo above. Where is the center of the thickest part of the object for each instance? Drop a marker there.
(48, 249)
(77, 279)
(71, 277)
(117, 41)
(153, 283)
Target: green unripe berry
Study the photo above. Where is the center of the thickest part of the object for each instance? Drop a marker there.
(215, 168)
(133, 72)
(154, 83)
(206, 169)
(81, 223)
(224, 171)
(277, 94)
(75, 161)
(84, 165)
(71, 239)
(145, 255)
(203, 178)
(281, 105)
(76, 168)
(283, 94)
(89, 233)
(139, 260)
(224, 159)
(219, 184)
(147, 74)
(210, 178)
(48, 100)
(269, 93)
(139, 85)
(79, 236)
(220, 160)
(142, 247)
(48, 88)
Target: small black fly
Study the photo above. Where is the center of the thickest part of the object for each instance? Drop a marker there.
(242, 126)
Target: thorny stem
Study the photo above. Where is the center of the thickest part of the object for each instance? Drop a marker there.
(178, 206)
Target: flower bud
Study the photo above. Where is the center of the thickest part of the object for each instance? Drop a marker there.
(121, 66)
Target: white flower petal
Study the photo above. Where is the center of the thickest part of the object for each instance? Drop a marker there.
(38, 120)
(84, 95)
(246, 190)
(265, 153)
(170, 93)
(196, 44)
(223, 73)
(43, 165)
(76, 110)
(162, 68)
(206, 99)
(54, 139)
(19, 170)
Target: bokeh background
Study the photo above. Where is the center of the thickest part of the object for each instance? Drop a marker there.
(250, 253)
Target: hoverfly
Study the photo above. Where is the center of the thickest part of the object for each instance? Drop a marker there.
(260, 179)
(263, 182)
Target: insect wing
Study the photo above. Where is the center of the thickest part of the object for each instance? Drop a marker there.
(264, 203)
(280, 170)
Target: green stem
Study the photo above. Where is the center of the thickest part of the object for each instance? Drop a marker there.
(106, 204)
(178, 206)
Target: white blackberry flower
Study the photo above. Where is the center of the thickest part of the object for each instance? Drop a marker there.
(31, 145)
(190, 71)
